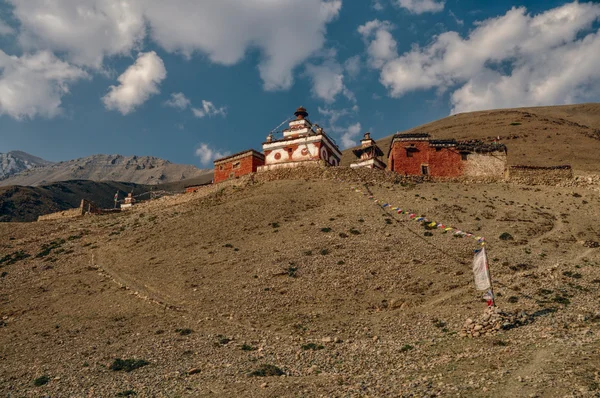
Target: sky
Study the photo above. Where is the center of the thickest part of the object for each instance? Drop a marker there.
(194, 80)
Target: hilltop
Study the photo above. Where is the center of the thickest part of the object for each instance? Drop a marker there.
(147, 170)
(210, 291)
(540, 136)
(14, 162)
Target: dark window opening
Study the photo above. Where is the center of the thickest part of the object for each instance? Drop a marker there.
(221, 167)
(409, 153)
(464, 155)
(425, 170)
(236, 165)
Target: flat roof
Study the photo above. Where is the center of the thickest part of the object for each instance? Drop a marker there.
(247, 152)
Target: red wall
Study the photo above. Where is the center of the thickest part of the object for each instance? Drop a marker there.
(248, 165)
(445, 162)
(405, 165)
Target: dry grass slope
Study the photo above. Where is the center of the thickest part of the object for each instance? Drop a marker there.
(221, 293)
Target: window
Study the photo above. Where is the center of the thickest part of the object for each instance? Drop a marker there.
(236, 165)
(425, 170)
(464, 155)
(221, 167)
(409, 153)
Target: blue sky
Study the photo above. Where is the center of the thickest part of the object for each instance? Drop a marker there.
(190, 80)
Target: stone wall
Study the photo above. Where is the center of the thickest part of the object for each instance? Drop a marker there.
(532, 175)
(85, 207)
(486, 165)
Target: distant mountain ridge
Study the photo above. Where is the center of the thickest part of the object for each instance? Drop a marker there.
(14, 162)
(147, 170)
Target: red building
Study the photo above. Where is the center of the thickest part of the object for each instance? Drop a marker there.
(237, 165)
(418, 154)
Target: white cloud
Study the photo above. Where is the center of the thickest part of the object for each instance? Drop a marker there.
(381, 45)
(178, 100)
(377, 5)
(327, 80)
(350, 130)
(34, 84)
(459, 22)
(513, 60)
(138, 83)
(351, 133)
(209, 109)
(421, 6)
(352, 66)
(207, 154)
(181, 102)
(86, 30)
(285, 32)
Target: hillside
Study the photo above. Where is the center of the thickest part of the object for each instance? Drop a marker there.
(19, 203)
(304, 276)
(541, 136)
(146, 170)
(14, 162)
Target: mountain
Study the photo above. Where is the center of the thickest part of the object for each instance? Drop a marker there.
(146, 170)
(14, 162)
(219, 292)
(25, 203)
(538, 136)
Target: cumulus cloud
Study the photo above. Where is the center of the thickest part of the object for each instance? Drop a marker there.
(348, 138)
(381, 46)
(207, 154)
(34, 84)
(516, 59)
(285, 32)
(209, 109)
(137, 84)
(421, 6)
(178, 100)
(86, 30)
(327, 80)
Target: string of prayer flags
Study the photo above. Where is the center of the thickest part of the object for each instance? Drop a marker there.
(420, 219)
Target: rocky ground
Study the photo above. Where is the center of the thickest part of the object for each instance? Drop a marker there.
(304, 287)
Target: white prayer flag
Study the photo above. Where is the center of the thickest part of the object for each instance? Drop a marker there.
(481, 271)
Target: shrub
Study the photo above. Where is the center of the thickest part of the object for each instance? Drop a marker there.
(127, 365)
(326, 229)
(406, 347)
(14, 257)
(561, 300)
(291, 270)
(324, 252)
(343, 235)
(126, 393)
(246, 347)
(40, 381)
(266, 370)
(515, 124)
(506, 236)
(354, 231)
(184, 332)
(312, 346)
(513, 299)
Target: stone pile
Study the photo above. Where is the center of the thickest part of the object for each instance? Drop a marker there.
(493, 320)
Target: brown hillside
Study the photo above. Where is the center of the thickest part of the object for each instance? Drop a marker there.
(341, 296)
(544, 136)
